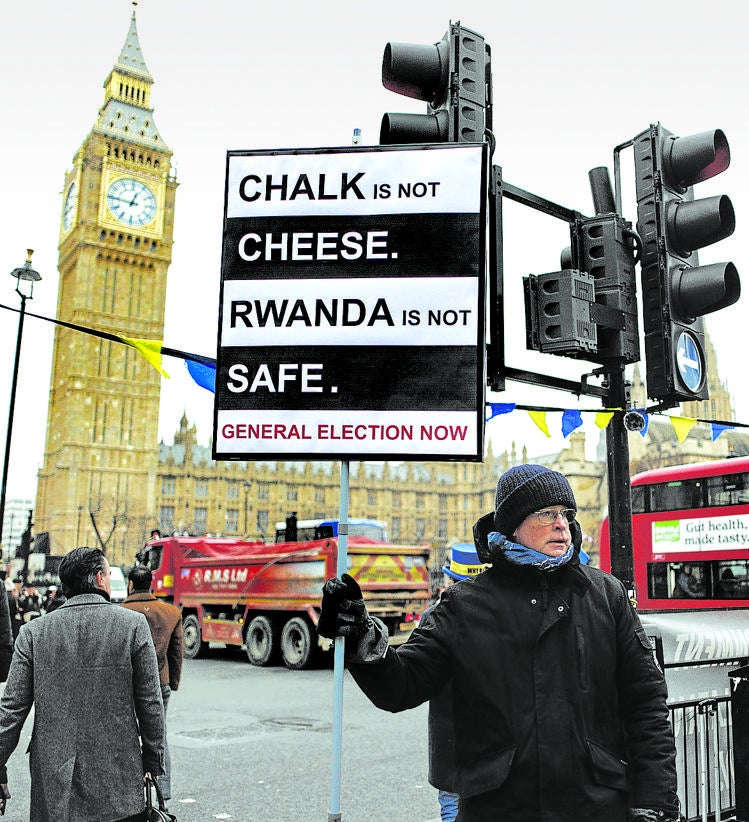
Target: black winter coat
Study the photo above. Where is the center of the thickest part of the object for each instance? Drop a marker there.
(560, 710)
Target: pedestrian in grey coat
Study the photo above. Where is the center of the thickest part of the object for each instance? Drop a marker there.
(90, 670)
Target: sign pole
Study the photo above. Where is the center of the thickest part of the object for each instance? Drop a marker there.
(334, 815)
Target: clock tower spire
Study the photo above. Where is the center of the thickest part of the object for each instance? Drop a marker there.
(97, 484)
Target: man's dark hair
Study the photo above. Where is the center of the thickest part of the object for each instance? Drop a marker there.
(140, 576)
(78, 571)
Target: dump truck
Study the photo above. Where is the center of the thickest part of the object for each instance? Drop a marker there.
(266, 598)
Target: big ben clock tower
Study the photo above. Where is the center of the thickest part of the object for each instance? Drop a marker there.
(97, 484)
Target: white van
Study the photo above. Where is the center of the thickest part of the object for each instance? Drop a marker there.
(119, 585)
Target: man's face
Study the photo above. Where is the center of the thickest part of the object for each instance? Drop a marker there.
(104, 578)
(552, 540)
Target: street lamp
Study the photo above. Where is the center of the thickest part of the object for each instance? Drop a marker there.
(247, 485)
(28, 275)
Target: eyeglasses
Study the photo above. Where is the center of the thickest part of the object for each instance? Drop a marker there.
(549, 515)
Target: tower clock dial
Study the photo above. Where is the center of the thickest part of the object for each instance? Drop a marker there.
(131, 202)
(70, 206)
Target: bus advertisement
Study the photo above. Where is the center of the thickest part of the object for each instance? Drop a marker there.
(690, 536)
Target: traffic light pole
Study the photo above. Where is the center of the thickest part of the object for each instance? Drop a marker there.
(617, 436)
(617, 463)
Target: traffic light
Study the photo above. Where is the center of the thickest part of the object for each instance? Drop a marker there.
(676, 291)
(589, 310)
(603, 246)
(452, 76)
(557, 313)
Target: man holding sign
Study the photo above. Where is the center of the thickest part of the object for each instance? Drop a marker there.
(560, 709)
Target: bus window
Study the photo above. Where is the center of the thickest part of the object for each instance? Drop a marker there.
(732, 581)
(658, 582)
(676, 496)
(689, 582)
(729, 489)
(638, 499)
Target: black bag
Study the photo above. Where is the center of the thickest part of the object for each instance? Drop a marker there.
(160, 814)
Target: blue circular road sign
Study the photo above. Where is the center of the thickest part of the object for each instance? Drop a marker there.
(689, 360)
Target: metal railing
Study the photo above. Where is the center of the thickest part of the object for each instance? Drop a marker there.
(704, 758)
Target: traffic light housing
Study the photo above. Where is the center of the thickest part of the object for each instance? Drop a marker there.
(603, 247)
(589, 310)
(676, 291)
(452, 76)
(557, 313)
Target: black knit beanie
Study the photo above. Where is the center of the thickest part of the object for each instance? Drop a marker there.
(525, 489)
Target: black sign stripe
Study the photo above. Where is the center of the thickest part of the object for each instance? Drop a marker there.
(375, 378)
(400, 245)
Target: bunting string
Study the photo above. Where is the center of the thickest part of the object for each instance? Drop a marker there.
(202, 369)
(572, 418)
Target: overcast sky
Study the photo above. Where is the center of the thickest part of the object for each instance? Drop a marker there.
(571, 81)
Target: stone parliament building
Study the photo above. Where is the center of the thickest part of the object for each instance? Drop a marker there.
(106, 480)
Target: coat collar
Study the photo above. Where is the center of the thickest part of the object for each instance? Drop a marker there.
(141, 596)
(84, 599)
(571, 574)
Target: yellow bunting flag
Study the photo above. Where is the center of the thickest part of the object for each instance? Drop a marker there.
(539, 417)
(603, 418)
(682, 426)
(150, 349)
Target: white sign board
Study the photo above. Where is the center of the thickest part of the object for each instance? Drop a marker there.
(701, 534)
(351, 318)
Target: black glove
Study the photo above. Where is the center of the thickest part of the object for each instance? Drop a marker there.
(342, 611)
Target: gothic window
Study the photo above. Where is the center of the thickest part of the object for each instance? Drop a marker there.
(166, 519)
(232, 520)
(200, 518)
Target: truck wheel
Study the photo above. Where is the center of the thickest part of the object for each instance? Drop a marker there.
(193, 645)
(260, 641)
(297, 647)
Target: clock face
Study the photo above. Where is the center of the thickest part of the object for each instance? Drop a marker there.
(71, 204)
(131, 202)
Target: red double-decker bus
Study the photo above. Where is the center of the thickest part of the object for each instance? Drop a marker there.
(690, 535)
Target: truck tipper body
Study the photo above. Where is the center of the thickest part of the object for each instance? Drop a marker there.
(267, 597)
